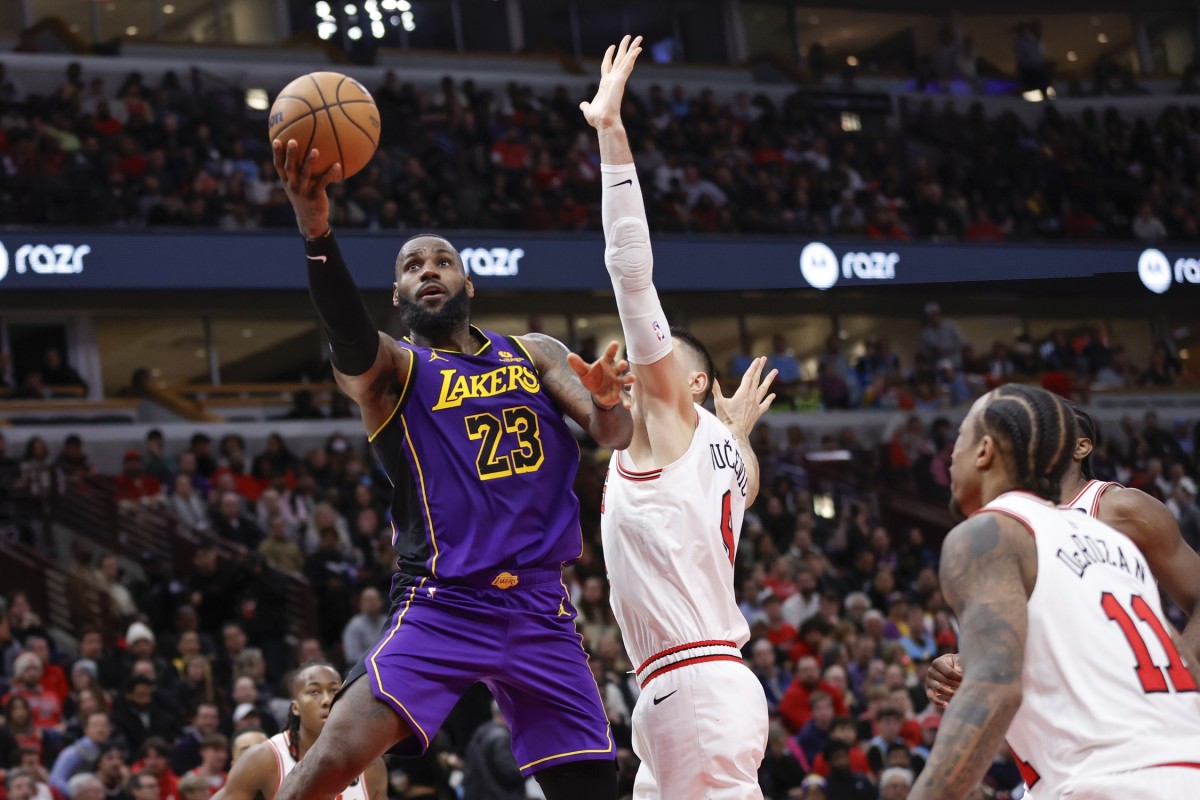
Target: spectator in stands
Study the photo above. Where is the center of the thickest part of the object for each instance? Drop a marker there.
(155, 462)
(109, 576)
(842, 784)
(941, 338)
(142, 720)
(135, 488)
(53, 679)
(233, 525)
(187, 504)
(193, 787)
(153, 761)
(84, 753)
(363, 628)
(57, 374)
(112, 771)
(20, 784)
(144, 786)
(796, 706)
(815, 733)
(1164, 369)
(85, 786)
(895, 783)
(201, 449)
(26, 733)
(249, 702)
(36, 472)
(279, 550)
(214, 756)
(72, 464)
(1148, 227)
(489, 771)
(44, 705)
(185, 755)
(303, 407)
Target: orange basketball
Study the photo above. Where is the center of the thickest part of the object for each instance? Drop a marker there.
(330, 112)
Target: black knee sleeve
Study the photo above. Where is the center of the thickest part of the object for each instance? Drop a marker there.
(579, 780)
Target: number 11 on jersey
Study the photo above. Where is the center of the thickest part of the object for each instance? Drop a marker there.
(1150, 674)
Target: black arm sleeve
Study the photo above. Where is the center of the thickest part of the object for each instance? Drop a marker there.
(352, 335)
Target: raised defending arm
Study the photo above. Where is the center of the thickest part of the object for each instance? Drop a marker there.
(662, 385)
(739, 413)
(253, 774)
(989, 564)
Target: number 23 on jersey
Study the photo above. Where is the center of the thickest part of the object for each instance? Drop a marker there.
(520, 422)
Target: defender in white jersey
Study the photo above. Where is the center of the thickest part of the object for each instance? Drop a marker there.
(672, 512)
(1063, 643)
(259, 771)
(1151, 526)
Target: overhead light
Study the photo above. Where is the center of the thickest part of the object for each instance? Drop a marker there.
(198, 352)
(395, 20)
(247, 333)
(131, 30)
(355, 33)
(1102, 38)
(582, 322)
(257, 100)
(168, 9)
(1072, 55)
(404, 5)
(350, 9)
(326, 30)
(377, 29)
(852, 61)
(409, 25)
(323, 9)
(1033, 96)
(388, 5)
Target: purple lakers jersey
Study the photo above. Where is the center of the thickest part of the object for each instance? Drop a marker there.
(482, 464)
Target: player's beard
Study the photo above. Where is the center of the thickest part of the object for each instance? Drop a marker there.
(453, 314)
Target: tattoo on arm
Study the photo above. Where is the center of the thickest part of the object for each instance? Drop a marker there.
(982, 579)
(561, 382)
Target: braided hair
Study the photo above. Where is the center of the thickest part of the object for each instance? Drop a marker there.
(292, 727)
(1086, 429)
(1036, 431)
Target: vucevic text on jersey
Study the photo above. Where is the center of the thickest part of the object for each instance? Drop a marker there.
(726, 455)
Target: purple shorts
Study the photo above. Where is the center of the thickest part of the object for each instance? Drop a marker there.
(519, 641)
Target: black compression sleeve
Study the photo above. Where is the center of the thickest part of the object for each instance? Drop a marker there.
(352, 335)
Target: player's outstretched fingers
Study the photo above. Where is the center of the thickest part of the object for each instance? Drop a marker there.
(279, 157)
(610, 352)
(330, 175)
(306, 170)
(578, 364)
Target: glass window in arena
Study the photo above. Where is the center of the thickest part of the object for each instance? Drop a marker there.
(172, 349)
(805, 336)
(1075, 42)
(702, 26)
(254, 349)
(600, 24)
(768, 28)
(903, 335)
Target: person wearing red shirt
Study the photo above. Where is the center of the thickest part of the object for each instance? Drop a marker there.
(154, 761)
(134, 486)
(843, 729)
(794, 707)
(214, 757)
(779, 632)
(44, 705)
(54, 680)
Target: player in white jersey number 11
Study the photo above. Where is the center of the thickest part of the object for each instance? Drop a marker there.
(1050, 602)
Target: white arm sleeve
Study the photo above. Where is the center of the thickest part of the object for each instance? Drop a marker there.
(631, 265)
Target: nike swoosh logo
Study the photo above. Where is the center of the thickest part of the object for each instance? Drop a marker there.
(658, 700)
(615, 185)
(316, 258)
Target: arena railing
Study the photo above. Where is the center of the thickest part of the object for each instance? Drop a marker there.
(148, 534)
(68, 603)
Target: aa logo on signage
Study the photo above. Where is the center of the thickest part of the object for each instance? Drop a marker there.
(1158, 273)
(819, 266)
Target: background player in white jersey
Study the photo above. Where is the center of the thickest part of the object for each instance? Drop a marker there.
(1134, 513)
(672, 511)
(1062, 640)
(260, 770)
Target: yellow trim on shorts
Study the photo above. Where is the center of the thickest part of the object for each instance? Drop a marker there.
(375, 667)
(424, 496)
(607, 726)
(412, 358)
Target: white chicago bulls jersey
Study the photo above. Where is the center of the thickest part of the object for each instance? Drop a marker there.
(283, 759)
(1088, 499)
(669, 539)
(1105, 688)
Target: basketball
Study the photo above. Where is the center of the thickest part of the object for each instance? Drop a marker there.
(330, 112)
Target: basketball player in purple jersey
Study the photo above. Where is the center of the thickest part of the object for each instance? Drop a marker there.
(469, 426)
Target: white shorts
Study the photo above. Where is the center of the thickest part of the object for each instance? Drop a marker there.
(704, 737)
(1155, 783)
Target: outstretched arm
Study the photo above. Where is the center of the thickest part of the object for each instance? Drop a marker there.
(664, 398)
(1175, 565)
(366, 363)
(739, 413)
(989, 565)
(590, 395)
